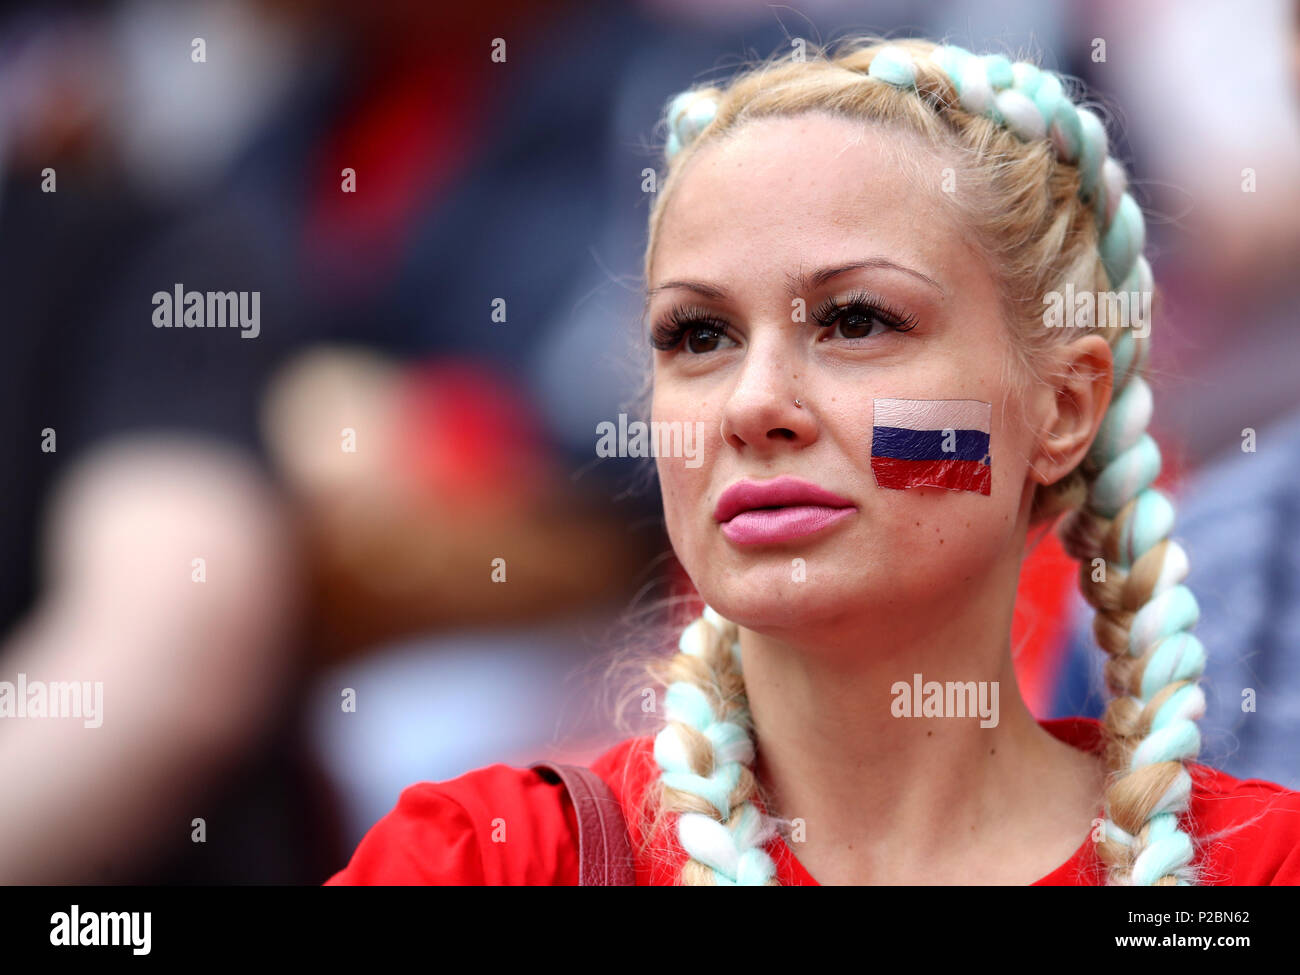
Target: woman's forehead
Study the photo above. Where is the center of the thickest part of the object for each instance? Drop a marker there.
(785, 193)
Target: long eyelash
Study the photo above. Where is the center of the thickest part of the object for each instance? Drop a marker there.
(863, 302)
(669, 331)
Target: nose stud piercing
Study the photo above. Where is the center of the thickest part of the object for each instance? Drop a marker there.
(798, 404)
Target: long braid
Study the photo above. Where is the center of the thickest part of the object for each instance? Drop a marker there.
(1144, 613)
(706, 752)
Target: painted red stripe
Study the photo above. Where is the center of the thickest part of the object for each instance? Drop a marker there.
(956, 475)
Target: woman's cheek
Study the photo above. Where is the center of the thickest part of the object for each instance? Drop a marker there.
(675, 500)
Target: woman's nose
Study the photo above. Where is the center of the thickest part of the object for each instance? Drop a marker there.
(761, 409)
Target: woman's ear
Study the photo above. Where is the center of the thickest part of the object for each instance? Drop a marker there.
(1074, 406)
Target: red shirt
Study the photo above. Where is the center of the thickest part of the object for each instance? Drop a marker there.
(504, 825)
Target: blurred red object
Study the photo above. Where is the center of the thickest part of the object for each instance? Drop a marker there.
(467, 437)
(430, 497)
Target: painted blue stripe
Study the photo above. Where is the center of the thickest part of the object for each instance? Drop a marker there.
(928, 444)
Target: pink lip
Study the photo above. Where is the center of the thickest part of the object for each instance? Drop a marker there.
(785, 508)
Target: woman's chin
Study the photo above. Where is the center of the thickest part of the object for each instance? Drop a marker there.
(775, 606)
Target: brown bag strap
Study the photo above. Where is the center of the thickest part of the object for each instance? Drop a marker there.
(604, 851)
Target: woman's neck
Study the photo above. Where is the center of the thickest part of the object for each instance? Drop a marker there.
(893, 786)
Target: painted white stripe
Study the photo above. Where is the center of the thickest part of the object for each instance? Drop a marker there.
(933, 414)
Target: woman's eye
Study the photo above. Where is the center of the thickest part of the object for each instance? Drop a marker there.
(862, 317)
(705, 338)
(694, 331)
(856, 325)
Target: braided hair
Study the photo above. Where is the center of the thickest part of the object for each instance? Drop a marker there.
(1062, 216)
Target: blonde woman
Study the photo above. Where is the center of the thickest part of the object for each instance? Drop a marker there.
(886, 284)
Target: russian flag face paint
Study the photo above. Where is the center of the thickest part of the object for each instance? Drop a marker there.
(932, 443)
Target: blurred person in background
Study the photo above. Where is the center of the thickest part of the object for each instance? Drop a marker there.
(226, 173)
(127, 455)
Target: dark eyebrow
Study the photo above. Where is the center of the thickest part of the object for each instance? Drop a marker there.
(797, 284)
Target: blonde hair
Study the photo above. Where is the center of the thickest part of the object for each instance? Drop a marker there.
(1048, 206)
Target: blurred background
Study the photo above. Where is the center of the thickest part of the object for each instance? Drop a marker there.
(278, 550)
